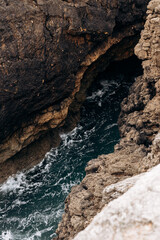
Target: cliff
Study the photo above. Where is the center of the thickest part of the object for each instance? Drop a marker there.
(48, 48)
(134, 215)
(138, 151)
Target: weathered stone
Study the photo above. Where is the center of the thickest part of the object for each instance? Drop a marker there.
(138, 150)
(46, 48)
(134, 215)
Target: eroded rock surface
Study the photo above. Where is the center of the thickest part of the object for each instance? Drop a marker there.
(134, 215)
(138, 150)
(140, 115)
(46, 48)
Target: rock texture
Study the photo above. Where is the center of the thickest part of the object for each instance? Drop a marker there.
(46, 47)
(138, 150)
(134, 215)
(140, 115)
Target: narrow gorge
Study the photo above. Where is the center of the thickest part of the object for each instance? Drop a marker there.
(138, 151)
(49, 183)
(47, 49)
(79, 89)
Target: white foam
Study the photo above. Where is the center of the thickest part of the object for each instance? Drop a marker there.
(111, 126)
(67, 186)
(107, 83)
(31, 181)
(13, 182)
(7, 235)
(99, 93)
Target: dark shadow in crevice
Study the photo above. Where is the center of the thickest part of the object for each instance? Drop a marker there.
(124, 72)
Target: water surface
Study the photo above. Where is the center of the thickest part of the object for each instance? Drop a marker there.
(32, 203)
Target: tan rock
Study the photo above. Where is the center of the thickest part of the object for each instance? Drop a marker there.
(138, 150)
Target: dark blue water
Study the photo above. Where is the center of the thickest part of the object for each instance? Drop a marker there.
(32, 203)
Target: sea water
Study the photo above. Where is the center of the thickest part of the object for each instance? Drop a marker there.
(32, 202)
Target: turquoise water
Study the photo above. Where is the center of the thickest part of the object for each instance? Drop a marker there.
(32, 203)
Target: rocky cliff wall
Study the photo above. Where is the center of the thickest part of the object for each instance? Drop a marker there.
(134, 215)
(46, 49)
(139, 123)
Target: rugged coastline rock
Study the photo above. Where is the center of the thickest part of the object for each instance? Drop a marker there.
(134, 215)
(138, 150)
(47, 49)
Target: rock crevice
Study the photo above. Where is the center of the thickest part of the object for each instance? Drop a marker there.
(46, 49)
(138, 150)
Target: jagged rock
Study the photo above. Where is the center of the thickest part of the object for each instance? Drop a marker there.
(101, 172)
(140, 112)
(134, 215)
(138, 150)
(47, 46)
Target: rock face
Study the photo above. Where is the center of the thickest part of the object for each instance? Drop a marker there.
(140, 115)
(138, 150)
(47, 47)
(134, 215)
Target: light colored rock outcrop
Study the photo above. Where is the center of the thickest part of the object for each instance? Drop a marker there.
(134, 215)
(114, 191)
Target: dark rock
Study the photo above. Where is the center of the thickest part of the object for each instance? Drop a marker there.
(139, 147)
(46, 48)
